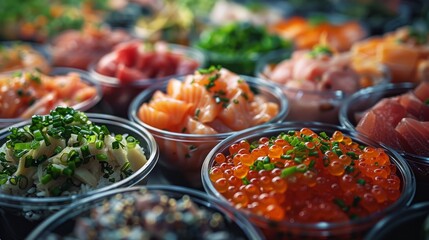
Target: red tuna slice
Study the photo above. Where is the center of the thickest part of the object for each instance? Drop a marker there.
(422, 91)
(374, 126)
(390, 111)
(126, 74)
(415, 106)
(127, 53)
(108, 64)
(416, 133)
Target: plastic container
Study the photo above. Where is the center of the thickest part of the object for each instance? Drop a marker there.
(410, 223)
(181, 155)
(367, 98)
(82, 106)
(324, 230)
(63, 222)
(308, 105)
(29, 211)
(118, 96)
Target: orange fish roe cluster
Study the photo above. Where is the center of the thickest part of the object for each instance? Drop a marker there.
(305, 177)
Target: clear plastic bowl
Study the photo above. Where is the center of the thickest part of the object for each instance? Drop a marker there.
(367, 98)
(308, 105)
(18, 210)
(63, 222)
(181, 155)
(324, 230)
(404, 224)
(117, 96)
(82, 106)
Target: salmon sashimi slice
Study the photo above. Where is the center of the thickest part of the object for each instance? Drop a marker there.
(415, 133)
(153, 117)
(196, 127)
(176, 108)
(262, 110)
(174, 88)
(401, 60)
(236, 115)
(204, 106)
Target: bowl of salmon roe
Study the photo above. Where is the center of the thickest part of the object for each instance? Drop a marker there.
(186, 137)
(312, 180)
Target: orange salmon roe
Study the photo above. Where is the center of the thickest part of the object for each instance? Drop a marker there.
(306, 177)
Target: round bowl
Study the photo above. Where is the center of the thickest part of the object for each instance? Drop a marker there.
(28, 211)
(286, 229)
(309, 105)
(117, 96)
(410, 223)
(181, 155)
(367, 98)
(82, 106)
(236, 225)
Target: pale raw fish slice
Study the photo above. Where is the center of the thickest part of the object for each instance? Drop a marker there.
(422, 91)
(412, 131)
(414, 106)
(375, 128)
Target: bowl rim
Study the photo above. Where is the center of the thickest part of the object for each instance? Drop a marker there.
(252, 81)
(212, 203)
(188, 52)
(35, 203)
(285, 54)
(62, 71)
(384, 225)
(404, 86)
(407, 194)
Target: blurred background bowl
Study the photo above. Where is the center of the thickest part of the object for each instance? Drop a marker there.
(29, 211)
(236, 225)
(355, 228)
(314, 105)
(118, 95)
(81, 106)
(181, 154)
(409, 223)
(365, 99)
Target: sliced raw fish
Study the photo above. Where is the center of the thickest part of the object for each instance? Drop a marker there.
(416, 134)
(422, 91)
(415, 106)
(390, 111)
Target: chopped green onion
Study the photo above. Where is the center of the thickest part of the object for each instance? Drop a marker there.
(101, 157)
(288, 171)
(46, 178)
(361, 181)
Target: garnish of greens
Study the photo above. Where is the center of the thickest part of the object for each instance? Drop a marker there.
(241, 39)
(58, 153)
(320, 50)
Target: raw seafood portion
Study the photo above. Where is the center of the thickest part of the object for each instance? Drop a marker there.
(152, 215)
(20, 56)
(79, 48)
(319, 69)
(137, 60)
(405, 52)
(401, 122)
(211, 101)
(307, 33)
(64, 153)
(301, 176)
(27, 93)
(316, 81)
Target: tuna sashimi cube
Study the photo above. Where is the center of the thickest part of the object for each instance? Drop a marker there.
(422, 92)
(416, 133)
(415, 106)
